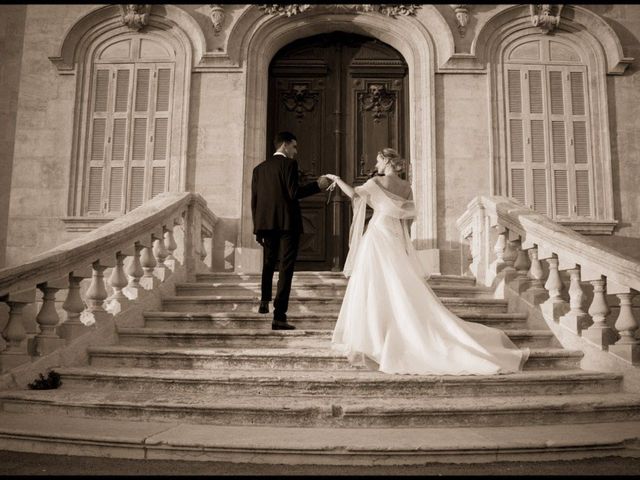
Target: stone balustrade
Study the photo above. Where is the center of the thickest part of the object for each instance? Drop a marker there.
(142, 250)
(510, 241)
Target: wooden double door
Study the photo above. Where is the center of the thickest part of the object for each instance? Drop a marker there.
(345, 97)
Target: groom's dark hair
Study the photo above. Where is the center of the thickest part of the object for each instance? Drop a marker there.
(283, 137)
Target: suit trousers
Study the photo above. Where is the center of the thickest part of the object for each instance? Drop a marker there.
(282, 246)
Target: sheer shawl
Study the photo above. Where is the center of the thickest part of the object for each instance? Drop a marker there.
(384, 203)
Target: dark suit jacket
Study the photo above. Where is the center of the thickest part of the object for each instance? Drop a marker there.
(275, 193)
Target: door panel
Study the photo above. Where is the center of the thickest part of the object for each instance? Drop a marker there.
(344, 97)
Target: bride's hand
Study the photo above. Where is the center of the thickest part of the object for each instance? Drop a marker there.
(332, 177)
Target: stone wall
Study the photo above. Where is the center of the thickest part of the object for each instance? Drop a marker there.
(12, 18)
(42, 154)
(624, 114)
(39, 173)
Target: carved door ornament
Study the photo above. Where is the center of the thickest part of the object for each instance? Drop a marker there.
(462, 17)
(391, 10)
(216, 13)
(135, 16)
(542, 16)
(300, 99)
(377, 100)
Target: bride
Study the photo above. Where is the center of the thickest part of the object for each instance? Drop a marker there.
(390, 314)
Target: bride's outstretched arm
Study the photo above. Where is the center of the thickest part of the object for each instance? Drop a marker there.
(345, 187)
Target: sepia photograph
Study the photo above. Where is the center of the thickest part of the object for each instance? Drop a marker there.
(319, 239)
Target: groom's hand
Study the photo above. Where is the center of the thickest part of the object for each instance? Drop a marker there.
(323, 182)
(260, 239)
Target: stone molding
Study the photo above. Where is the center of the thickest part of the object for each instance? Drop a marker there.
(391, 10)
(135, 16)
(406, 34)
(101, 19)
(512, 26)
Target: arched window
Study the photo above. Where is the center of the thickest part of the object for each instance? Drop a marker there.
(129, 132)
(548, 124)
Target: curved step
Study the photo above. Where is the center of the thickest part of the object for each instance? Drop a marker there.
(335, 446)
(263, 338)
(338, 382)
(274, 358)
(327, 411)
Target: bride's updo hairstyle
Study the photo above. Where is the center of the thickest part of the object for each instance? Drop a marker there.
(394, 159)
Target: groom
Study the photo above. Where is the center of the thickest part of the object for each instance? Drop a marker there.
(277, 221)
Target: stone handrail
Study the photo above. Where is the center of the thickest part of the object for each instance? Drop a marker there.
(510, 239)
(145, 235)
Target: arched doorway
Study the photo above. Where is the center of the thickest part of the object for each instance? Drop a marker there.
(345, 97)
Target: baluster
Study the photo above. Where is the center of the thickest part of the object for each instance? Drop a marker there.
(521, 263)
(576, 319)
(72, 327)
(160, 253)
(97, 293)
(118, 301)
(148, 263)
(15, 335)
(171, 245)
(628, 346)
(555, 306)
(510, 255)
(498, 264)
(535, 274)
(554, 282)
(599, 333)
(135, 272)
(48, 340)
(467, 255)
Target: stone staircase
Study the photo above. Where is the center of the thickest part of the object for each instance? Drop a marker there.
(207, 379)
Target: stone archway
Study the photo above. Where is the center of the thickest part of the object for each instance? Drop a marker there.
(408, 36)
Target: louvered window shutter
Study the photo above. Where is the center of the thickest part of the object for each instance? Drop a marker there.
(161, 129)
(548, 145)
(97, 141)
(580, 154)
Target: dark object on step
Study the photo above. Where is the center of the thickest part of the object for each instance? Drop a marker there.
(52, 381)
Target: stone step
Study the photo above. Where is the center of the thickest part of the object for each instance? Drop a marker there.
(310, 288)
(345, 383)
(262, 338)
(225, 303)
(141, 439)
(312, 321)
(273, 358)
(326, 411)
(320, 277)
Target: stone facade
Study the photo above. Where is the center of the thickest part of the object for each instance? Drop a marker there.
(451, 124)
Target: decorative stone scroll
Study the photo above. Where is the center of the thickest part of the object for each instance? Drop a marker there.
(377, 100)
(391, 10)
(543, 17)
(135, 16)
(217, 15)
(462, 17)
(300, 99)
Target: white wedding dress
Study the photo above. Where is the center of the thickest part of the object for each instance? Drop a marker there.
(390, 314)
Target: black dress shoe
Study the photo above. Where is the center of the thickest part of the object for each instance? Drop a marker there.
(264, 307)
(282, 325)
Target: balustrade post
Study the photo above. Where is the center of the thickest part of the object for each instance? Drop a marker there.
(148, 262)
(576, 319)
(521, 265)
(48, 340)
(171, 245)
(118, 301)
(555, 306)
(628, 346)
(510, 255)
(160, 253)
(73, 305)
(499, 248)
(135, 272)
(97, 294)
(599, 333)
(14, 333)
(466, 254)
